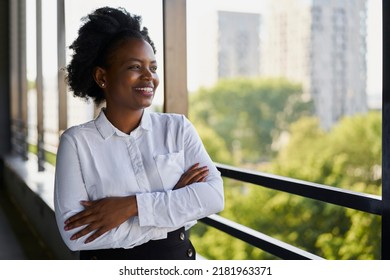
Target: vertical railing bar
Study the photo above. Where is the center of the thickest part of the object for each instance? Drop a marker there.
(386, 132)
(39, 86)
(13, 69)
(61, 56)
(23, 116)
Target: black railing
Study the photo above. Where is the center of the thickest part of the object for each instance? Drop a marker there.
(271, 245)
(360, 201)
(355, 200)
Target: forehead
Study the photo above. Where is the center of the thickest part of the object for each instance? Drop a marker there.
(132, 48)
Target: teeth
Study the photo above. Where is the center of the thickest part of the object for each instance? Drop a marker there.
(145, 89)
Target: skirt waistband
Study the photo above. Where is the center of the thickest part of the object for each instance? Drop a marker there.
(176, 246)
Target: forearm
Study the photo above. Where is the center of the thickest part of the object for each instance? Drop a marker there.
(127, 235)
(101, 216)
(178, 207)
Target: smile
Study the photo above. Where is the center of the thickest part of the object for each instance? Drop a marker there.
(147, 89)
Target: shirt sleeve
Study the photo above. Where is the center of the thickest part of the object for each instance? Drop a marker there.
(174, 208)
(70, 190)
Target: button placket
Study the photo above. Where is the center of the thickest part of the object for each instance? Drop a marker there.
(138, 167)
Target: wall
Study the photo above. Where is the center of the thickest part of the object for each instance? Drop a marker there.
(32, 191)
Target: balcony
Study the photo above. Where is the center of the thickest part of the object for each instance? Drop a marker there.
(27, 180)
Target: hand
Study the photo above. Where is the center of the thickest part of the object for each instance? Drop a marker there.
(194, 174)
(101, 216)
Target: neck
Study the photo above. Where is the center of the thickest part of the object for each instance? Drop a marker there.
(125, 121)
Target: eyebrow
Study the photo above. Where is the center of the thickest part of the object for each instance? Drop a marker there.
(138, 60)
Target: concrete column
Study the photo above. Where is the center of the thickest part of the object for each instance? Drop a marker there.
(175, 57)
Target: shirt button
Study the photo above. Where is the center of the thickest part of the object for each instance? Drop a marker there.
(190, 253)
(182, 236)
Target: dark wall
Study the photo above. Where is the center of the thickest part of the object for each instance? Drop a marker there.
(5, 143)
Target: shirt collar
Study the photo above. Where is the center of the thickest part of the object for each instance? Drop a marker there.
(107, 129)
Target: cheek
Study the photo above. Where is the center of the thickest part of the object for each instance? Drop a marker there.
(128, 79)
(156, 81)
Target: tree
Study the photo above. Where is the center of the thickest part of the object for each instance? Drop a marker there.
(349, 156)
(214, 144)
(249, 114)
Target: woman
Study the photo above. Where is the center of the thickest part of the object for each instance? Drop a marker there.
(130, 183)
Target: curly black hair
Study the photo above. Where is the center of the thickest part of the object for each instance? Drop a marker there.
(101, 32)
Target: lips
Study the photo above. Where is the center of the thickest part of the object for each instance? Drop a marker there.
(147, 91)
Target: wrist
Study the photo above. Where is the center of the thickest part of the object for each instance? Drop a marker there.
(133, 206)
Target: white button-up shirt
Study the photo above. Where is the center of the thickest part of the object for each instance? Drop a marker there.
(96, 160)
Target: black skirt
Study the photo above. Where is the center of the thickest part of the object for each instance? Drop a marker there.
(176, 246)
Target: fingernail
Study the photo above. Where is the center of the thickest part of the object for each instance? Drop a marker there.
(66, 228)
(73, 237)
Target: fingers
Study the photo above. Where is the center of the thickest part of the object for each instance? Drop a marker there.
(194, 174)
(90, 228)
(87, 203)
(82, 218)
(77, 222)
(83, 232)
(100, 216)
(198, 175)
(96, 234)
(92, 225)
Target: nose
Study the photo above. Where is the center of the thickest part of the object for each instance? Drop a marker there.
(147, 74)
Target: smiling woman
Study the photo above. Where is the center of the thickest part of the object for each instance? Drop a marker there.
(129, 184)
(129, 80)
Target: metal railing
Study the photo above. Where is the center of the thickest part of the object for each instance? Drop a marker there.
(359, 201)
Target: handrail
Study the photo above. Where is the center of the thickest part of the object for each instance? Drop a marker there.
(360, 201)
(271, 245)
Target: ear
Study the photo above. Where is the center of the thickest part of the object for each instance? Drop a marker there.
(99, 75)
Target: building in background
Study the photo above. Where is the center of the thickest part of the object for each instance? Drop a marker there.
(238, 44)
(322, 45)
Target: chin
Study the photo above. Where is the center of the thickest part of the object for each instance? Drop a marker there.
(146, 105)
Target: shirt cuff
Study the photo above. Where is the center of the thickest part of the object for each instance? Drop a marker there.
(145, 209)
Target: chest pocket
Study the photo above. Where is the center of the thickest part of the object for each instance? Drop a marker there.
(170, 168)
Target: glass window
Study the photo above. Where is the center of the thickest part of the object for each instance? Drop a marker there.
(31, 71)
(50, 74)
(277, 83)
(293, 88)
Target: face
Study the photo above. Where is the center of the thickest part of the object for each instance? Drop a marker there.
(130, 79)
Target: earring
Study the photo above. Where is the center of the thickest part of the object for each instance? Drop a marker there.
(103, 85)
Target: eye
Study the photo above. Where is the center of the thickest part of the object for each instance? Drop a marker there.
(153, 69)
(134, 67)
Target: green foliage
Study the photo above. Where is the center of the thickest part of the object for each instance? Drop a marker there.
(215, 145)
(248, 114)
(348, 156)
(359, 140)
(49, 157)
(214, 244)
(31, 84)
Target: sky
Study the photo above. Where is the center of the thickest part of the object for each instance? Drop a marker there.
(374, 46)
(199, 16)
